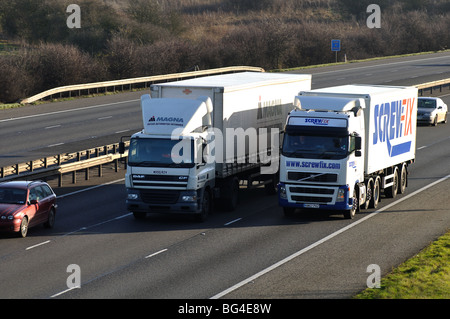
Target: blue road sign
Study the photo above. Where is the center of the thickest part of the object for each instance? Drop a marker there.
(335, 45)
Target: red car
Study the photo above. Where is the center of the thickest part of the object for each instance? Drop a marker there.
(25, 204)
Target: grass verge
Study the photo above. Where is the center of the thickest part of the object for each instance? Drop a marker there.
(424, 276)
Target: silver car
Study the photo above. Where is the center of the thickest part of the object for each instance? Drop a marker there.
(431, 110)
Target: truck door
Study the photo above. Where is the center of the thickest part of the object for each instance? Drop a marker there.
(356, 160)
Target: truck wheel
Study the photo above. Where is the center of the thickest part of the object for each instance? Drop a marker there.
(403, 179)
(271, 188)
(350, 214)
(375, 194)
(369, 195)
(206, 206)
(392, 190)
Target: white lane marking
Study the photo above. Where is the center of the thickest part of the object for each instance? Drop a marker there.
(123, 131)
(56, 144)
(64, 111)
(53, 126)
(64, 291)
(317, 243)
(432, 144)
(37, 245)
(104, 118)
(233, 221)
(157, 253)
(98, 224)
(91, 188)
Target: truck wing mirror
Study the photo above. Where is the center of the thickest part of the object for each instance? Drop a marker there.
(358, 143)
(121, 147)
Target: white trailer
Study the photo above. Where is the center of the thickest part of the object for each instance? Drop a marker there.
(345, 145)
(204, 137)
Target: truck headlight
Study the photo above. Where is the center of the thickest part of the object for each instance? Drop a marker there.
(340, 195)
(283, 194)
(189, 198)
(133, 196)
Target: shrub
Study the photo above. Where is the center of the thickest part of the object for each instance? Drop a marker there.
(15, 83)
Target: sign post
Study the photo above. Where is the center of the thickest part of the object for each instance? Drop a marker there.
(336, 47)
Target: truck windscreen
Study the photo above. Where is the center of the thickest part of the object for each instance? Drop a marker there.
(153, 152)
(315, 147)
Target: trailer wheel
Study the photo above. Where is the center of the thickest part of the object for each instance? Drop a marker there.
(350, 214)
(391, 191)
(403, 179)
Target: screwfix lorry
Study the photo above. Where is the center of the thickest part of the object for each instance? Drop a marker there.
(346, 145)
(202, 137)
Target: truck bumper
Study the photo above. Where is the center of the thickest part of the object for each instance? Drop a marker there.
(155, 201)
(285, 199)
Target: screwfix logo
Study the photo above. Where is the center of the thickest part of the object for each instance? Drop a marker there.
(322, 122)
(393, 121)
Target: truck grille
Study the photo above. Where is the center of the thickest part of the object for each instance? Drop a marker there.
(312, 194)
(312, 177)
(160, 181)
(307, 190)
(159, 197)
(309, 199)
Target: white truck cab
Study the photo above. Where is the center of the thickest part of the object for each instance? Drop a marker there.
(204, 138)
(344, 145)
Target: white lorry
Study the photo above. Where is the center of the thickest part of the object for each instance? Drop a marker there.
(202, 137)
(345, 145)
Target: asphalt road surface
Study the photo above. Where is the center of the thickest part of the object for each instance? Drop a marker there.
(253, 252)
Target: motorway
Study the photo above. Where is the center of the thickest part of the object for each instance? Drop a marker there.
(253, 252)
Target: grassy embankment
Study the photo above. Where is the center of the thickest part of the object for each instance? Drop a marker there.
(424, 276)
